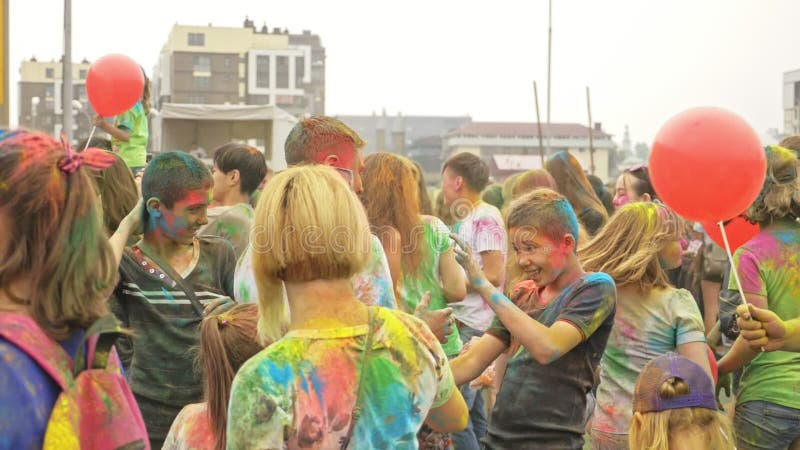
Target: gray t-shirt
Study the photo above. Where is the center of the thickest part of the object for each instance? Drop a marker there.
(543, 406)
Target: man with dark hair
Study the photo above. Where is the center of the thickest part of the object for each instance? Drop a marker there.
(167, 280)
(238, 171)
(480, 225)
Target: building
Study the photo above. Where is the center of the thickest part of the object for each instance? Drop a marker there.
(791, 102)
(417, 137)
(242, 66)
(40, 97)
(510, 147)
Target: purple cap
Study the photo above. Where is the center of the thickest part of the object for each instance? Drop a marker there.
(646, 397)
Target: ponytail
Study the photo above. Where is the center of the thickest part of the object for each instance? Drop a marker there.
(227, 340)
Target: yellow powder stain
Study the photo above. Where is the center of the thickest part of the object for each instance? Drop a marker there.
(61, 430)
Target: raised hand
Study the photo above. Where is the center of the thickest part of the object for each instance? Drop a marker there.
(466, 258)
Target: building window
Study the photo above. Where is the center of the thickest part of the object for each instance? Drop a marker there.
(299, 70)
(201, 63)
(82, 74)
(197, 99)
(50, 72)
(197, 39)
(202, 82)
(228, 62)
(282, 72)
(49, 91)
(81, 92)
(262, 71)
(797, 93)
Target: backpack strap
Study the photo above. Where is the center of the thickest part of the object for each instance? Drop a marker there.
(25, 334)
(99, 339)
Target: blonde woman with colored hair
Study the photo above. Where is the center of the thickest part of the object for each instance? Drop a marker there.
(675, 408)
(340, 370)
(636, 248)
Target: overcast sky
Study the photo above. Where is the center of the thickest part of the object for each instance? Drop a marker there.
(644, 60)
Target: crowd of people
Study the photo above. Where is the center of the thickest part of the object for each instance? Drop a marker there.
(337, 305)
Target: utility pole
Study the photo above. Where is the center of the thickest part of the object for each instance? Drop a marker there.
(66, 87)
(549, 50)
(591, 133)
(538, 122)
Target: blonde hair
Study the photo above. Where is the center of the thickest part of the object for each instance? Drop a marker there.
(654, 430)
(780, 196)
(308, 226)
(628, 247)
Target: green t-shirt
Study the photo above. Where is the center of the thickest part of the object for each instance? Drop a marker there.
(769, 266)
(134, 122)
(437, 241)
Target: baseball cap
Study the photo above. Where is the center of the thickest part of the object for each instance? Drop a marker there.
(646, 397)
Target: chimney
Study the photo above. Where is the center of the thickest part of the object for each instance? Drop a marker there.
(264, 29)
(598, 126)
(248, 23)
(276, 30)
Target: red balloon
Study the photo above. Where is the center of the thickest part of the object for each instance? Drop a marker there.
(114, 84)
(738, 230)
(707, 164)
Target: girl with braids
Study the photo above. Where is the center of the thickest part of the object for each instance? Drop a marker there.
(636, 248)
(769, 269)
(129, 132)
(573, 184)
(227, 340)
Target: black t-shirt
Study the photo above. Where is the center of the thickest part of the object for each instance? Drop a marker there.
(159, 357)
(543, 406)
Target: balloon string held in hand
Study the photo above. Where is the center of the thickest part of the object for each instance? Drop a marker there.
(733, 267)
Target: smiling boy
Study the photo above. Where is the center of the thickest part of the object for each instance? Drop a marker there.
(555, 344)
(149, 298)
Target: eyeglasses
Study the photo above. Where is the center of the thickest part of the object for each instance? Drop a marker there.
(347, 174)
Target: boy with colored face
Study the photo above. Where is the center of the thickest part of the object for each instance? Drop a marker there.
(554, 346)
(150, 299)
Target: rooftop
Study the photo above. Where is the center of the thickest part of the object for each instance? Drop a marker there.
(525, 129)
